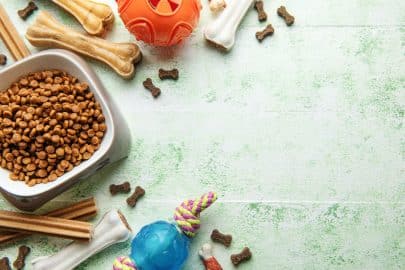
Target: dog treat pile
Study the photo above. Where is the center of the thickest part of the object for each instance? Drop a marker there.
(49, 123)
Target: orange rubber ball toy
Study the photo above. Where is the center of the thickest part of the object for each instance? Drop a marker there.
(160, 22)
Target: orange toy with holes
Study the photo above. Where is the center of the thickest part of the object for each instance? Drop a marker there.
(160, 22)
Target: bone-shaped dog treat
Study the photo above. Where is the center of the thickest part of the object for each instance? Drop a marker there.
(217, 5)
(113, 228)
(122, 188)
(288, 18)
(169, 74)
(221, 31)
(3, 59)
(133, 199)
(23, 252)
(245, 255)
(96, 18)
(27, 11)
(225, 239)
(48, 32)
(148, 84)
(5, 264)
(261, 14)
(210, 262)
(269, 30)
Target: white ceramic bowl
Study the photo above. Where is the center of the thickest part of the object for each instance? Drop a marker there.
(114, 145)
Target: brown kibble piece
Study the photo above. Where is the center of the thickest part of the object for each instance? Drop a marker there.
(3, 59)
(225, 239)
(5, 264)
(148, 84)
(245, 255)
(23, 252)
(169, 74)
(138, 193)
(288, 18)
(122, 188)
(27, 11)
(259, 6)
(268, 31)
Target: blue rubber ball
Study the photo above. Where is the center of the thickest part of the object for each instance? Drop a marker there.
(160, 246)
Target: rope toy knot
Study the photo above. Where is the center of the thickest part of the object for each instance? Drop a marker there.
(124, 263)
(187, 215)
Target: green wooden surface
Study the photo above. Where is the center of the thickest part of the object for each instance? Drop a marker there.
(302, 136)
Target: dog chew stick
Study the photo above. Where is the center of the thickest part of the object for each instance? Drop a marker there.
(26, 223)
(113, 228)
(82, 210)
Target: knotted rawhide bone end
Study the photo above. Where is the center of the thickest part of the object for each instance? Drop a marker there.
(23, 252)
(148, 84)
(225, 239)
(288, 18)
(5, 264)
(122, 188)
(169, 74)
(3, 59)
(245, 255)
(259, 6)
(268, 31)
(27, 11)
(133, 199)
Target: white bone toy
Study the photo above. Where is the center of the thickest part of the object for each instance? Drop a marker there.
(221, 31)
(113, 228)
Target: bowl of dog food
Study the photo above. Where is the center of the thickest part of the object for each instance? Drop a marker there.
(57, 125)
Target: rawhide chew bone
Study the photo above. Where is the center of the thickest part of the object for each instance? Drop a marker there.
(26, 223)
(261, 14)
(113, 228)
(3, 59)
(122, 188)
(82, 210)
(48, 32)
(288, 18)
(96, 18)
(210, 262)
(5, 264)
(169, 74)
(27, 11)
(268, 31)
(243, 256)
(148, 84)
(217, 5)
(221, 31)
(225, 239)
(133, 199)
(23, 252)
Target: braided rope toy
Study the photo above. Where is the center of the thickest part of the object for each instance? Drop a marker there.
(164, 245)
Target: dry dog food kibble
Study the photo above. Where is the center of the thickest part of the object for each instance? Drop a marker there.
(5, 264)
(288, 18)
(243, 256)
(27, 11)
(49, 123)
(148, 84)
(169, 74)
(3, 59)
(224, 239)
(261, 14)
(268, 31)
(23, 252)
(133, 199)
(123, 188)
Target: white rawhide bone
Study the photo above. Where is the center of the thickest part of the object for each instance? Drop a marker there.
(221, 31)
(48, 32)
(96, 18)
(113, 228)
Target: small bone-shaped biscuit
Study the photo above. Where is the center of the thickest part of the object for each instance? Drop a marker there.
(225, 239)
(169, 74)
(123, 188)
(5, 264)
(3, 59)
(269, 30)
(245, 255)
(48, 32)
(259, 6)
(148, 84)
(27, 11)
(133, 199)
(23, 252)
(96, 18)
(288, 18)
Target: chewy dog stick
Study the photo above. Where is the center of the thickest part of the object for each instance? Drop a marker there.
(210, 262)
(113, 228)
(71, 229)
(96, 18)
(82, 210)
(48, 32)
